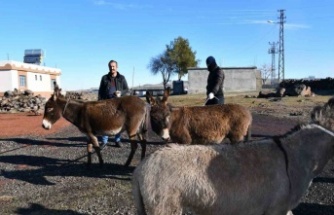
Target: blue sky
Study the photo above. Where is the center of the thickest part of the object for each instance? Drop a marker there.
(81, 36)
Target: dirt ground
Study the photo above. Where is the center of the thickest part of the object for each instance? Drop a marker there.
(25, 124)
(44, 172)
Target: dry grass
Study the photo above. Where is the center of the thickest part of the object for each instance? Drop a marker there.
(297, 107)
(249, 100)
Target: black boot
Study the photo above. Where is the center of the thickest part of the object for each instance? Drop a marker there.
(117, 144)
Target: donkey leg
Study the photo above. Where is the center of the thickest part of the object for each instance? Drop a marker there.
(143, 148)
(89, 154)
(133, 150)
(98, 152)
(235, 138)
(97, 149)
(142, 144)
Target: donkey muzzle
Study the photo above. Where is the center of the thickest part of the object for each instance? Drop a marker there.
(46, 124)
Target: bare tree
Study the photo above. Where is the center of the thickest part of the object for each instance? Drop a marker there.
(265, 73)
(163, 64)
(175, 59)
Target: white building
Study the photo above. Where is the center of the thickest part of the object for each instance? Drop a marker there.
(26, 76)
(237, 79)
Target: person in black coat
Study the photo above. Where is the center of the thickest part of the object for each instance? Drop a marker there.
(112, 85)
(112, 82)
(215, 83)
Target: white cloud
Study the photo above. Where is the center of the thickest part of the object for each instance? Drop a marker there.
(296, 26)
(118, 6)
(100, 2)
(286, 25)
(255, 22)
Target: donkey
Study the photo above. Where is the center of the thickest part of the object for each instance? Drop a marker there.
(105, 117)
(199, 124)
(267, 176)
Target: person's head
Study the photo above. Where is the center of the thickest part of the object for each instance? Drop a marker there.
(113, 67)
(211, 63)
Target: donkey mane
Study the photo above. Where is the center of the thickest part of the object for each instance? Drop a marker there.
(300, 127)
(277, 138)
(293, 130)
(184, 115)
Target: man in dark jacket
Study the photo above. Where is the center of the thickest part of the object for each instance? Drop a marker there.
(112, 85)
(215, 83)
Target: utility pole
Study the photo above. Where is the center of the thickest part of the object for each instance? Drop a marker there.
(281, 63)
(272, 50)
(133, 76)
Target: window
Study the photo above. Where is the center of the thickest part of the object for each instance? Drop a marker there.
(40, 77)
(23, 81)
(35, 77)
(53, 81)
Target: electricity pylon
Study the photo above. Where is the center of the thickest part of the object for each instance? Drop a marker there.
(273, 51)
(281, 62)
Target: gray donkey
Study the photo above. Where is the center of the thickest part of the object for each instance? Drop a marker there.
(264, 177)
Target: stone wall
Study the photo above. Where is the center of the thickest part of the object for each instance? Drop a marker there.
(25, 101)
(316, 84)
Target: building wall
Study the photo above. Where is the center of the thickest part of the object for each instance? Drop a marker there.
(7, 79)
(237, 79)
(38, 82)
(38, 78)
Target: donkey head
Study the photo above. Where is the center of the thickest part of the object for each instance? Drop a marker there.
(324, 115)
(52, 111)
(160, 114)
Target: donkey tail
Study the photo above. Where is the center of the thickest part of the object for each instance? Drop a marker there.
(138, 198)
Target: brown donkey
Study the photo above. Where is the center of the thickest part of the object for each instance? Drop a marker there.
(106, 117)
(199, 124)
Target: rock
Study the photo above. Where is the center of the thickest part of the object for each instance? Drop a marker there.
(28, 93)
(16, 101)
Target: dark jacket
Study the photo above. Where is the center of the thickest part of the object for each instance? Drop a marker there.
(121, 85)
(215, 82)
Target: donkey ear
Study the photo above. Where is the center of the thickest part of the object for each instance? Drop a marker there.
(55, 86)
(316, 113)
(57, 90)
(149, 98)
(166, 95)
(330, 102)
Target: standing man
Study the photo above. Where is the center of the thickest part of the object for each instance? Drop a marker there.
(112, 85)
(215, 83)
